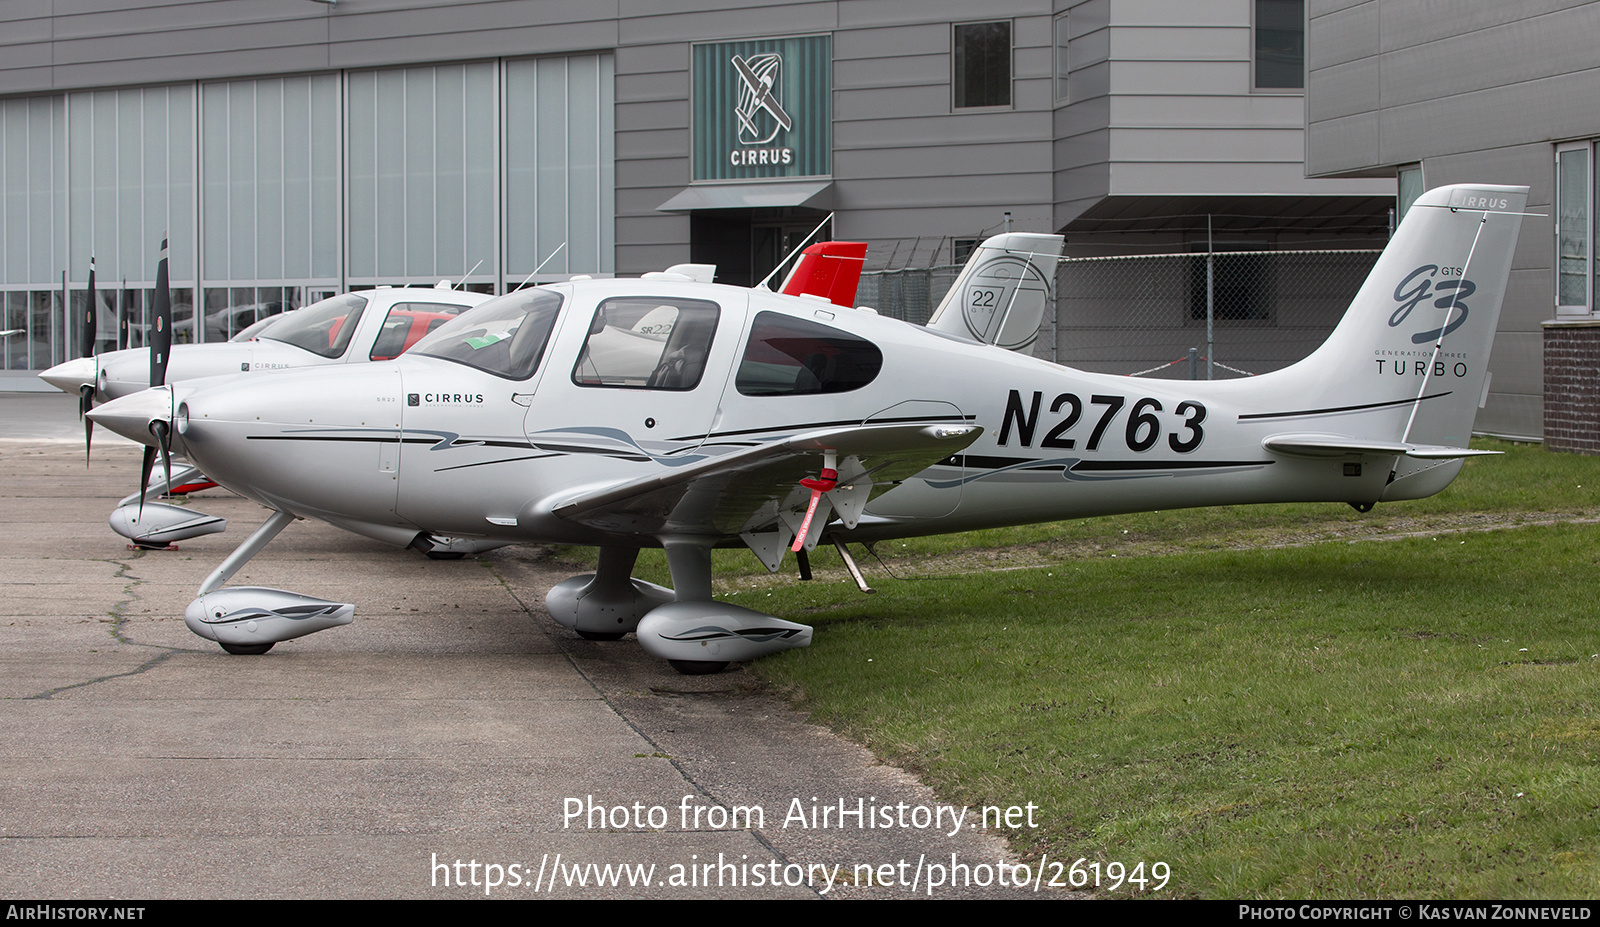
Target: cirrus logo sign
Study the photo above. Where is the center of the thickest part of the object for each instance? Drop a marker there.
(1448, 290)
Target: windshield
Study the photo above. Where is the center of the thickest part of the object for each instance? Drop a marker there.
(504, 336)
(254, 331)
(322, 328)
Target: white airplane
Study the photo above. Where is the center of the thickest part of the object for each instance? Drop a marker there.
(777, 423)
(363, 325)
(377, 324)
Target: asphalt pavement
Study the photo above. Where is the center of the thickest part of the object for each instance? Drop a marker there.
(452, 742)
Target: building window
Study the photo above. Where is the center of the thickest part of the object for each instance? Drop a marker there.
(982, 64)
(1062, 67)
(1574, 228)
(1280, 45)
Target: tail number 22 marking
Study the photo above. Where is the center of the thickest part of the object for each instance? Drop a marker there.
(1142, 432)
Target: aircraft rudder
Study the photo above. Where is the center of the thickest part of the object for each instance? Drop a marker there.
(1418, 334)
(1001, 294)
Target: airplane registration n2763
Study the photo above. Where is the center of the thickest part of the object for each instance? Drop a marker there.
(670, 413)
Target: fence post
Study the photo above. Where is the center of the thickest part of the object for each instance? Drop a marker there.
(1211, 302)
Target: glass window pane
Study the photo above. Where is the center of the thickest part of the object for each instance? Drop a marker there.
(505, 336)
(1280, 44)
(982, 64)
(790, 357)
(1572, 227)
(648, 343)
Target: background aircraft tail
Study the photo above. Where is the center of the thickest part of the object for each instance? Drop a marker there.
(1407, 367)
(1001, 295)
(828, 268)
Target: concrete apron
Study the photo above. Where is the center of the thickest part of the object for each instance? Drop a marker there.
(436, 748)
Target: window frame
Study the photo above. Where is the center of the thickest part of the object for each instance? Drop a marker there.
(1061, 59)
(1589, 201)
(957, 83)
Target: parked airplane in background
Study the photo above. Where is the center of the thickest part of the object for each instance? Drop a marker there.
(749, 418)
(358, 326)
(375, 324)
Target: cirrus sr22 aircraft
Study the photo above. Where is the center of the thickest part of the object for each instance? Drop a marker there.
(663, 412)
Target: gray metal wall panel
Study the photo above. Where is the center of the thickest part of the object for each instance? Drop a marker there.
(945, 161)
(453, 18)
(645, 183)
(1511, 415)
(1561, 106)
(1168, 43)
(192, 41)
(1346, 35)
(1262, 111)
(774, 19)
(653, 59)
(892, 103)
(1167, 13)
(114, 22)
(1501, 56)
(1084, 151)
(921, 39)
(922, 131)
(1186, 145)
(1324, 7)
(467, 45)
(995, 191)
(855, 14)
(1342, 144)
(652, 143)
(1517, 364)
(1416, 22)
(1185, 78)
(1345, 90)
(878, 73)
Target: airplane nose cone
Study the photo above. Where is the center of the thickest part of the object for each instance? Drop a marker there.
(72, 375)
(131, 416)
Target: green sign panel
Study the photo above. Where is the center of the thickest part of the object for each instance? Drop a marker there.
(763, 108)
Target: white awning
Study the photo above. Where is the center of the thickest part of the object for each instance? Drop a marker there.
(816, 194)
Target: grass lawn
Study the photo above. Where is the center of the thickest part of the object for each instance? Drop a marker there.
(1267, 699)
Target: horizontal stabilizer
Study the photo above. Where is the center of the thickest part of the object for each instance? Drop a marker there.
(1308, 445)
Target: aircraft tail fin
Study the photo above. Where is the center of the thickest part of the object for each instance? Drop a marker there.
(829, 268)
(1001, 294)
(1407, 364)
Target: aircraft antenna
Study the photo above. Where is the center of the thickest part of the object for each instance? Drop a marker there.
(796, 250)
(463, 281)
(541, 266)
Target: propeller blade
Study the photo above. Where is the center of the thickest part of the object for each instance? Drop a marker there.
(144, 475)
(161, 338)
(86, 339)
(163, 435)
(85, 403)
(87, 342)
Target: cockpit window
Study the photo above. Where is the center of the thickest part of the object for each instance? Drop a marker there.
(505, 336)
(792, 357)
(405, 325)
(647, 342)
(322, 328)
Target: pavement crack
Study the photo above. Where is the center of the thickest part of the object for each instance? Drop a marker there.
(119, 619)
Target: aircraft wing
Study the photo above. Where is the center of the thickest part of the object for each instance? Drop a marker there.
(757, 489)
(1317, 445)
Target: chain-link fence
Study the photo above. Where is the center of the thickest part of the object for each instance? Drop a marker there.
(1180, 316)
